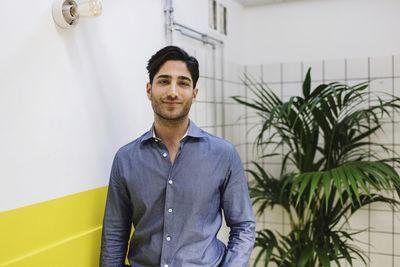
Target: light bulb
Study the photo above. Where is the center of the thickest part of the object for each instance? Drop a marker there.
(66, 13)
(90, 8)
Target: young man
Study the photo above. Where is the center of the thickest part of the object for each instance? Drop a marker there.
(173, 182)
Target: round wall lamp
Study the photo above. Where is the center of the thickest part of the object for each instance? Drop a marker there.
(66, 13)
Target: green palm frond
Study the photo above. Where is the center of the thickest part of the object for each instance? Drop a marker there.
(353, 177)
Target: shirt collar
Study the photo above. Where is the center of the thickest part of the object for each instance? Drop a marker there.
(192, 131)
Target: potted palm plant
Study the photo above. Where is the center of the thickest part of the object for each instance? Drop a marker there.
(331, 169)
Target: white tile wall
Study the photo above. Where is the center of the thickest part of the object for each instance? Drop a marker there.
(360, 221)
(380, 67)
(380, 261)
(254, 71)
(396, 245)
(396, 260)
(397, 225)
(334, 70)
(382, 221)
(384, 86)
(271, 73)
(357, 68)
(292, 72)
(201, 85)
(317, 72)
(292, 89)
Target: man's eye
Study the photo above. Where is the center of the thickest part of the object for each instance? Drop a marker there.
(163, 81)
(185, 84)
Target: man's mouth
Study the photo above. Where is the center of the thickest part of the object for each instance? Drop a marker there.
(171, 103)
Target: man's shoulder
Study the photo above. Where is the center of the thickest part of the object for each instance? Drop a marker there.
(132, 146)
(217, 142)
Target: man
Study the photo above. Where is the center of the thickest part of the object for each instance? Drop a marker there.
(173, 181)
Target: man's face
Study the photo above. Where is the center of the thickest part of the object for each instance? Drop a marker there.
(172, 93)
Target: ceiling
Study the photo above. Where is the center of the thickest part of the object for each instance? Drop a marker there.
(261, 2)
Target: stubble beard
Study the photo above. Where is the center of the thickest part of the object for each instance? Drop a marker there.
(170, 117)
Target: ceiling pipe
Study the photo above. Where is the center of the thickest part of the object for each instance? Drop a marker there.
(205, 38)
(171, 25)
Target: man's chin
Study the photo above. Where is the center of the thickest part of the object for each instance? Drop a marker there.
(172, 117)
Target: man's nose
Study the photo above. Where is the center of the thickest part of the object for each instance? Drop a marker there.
(173, 90)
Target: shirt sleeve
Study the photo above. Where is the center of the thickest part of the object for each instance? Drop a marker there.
(238, 215)
(117, 221)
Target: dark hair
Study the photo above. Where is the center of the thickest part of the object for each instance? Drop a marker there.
(173, 53)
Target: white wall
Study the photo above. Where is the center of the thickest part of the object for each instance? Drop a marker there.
(321, 29)
(70, 98)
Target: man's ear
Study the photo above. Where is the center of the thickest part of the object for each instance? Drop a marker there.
(195, 91)
(148, 90)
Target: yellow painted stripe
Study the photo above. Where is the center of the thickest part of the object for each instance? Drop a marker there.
(60, 232)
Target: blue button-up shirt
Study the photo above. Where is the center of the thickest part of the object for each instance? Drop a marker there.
(176, 210)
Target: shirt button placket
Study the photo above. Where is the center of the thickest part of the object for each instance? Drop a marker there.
(167, 221)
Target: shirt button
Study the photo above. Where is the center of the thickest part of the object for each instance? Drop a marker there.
(170, 182)
(168, 238)
(164, 155)
(169, 210)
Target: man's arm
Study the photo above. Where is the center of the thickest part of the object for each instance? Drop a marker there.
(238, 215)
(117, 221)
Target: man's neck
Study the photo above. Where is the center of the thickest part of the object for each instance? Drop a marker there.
(169, 131)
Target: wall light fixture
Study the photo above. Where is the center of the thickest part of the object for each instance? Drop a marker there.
(66, 13)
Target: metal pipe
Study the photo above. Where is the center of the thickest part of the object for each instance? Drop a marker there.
(215, 89)
(223, 92)
(169, 20)
(198, 32)
(187, 34)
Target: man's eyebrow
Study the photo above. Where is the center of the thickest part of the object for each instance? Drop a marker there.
(166, 76)
(185, 78)
(163, 76)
